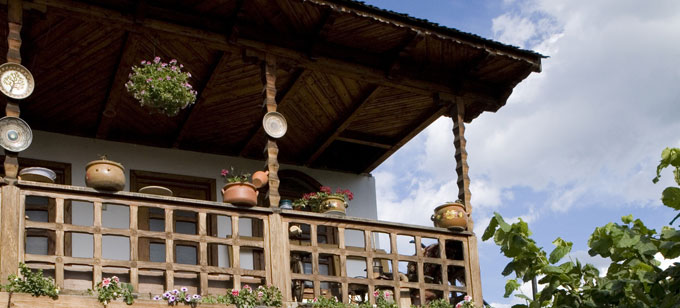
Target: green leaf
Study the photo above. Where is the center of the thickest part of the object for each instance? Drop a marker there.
(562, 249)
(491, 229)
(510, 286)
(671, 197)
(504, 225)
(627, 219)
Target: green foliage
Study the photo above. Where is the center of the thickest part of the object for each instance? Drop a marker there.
(31, 282)
(110, 289)
(323, 302)
(231, 176)
(383, 299)
(633, 279)
(161, 86)
(247, 297)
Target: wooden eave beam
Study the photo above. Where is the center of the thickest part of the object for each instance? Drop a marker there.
(284, 96)
(116, 89)
(343, 124)
(220, 41)
(421, 124)
(219, 64)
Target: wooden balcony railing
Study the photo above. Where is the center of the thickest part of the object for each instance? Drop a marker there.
(164, 242)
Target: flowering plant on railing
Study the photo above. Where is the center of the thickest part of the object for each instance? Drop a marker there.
(231, 176)
(110, 289)
(323, 302)
(383, 299)
(161, 86)
(181, 296)
(262, 296)
(31, 282)
(313, 200)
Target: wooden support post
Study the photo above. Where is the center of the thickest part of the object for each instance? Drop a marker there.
(271, 149)
(15, 20)
(11, 234)
(457, 112)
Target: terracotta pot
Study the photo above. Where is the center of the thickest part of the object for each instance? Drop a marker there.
(260, 178)
(334, 205)
(240, 194)
(450, 216)
(104, 174)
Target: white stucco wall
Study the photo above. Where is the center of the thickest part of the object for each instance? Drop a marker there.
(79, 151)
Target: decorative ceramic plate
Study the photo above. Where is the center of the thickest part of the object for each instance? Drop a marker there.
(16, 81)
(15, 134)
(156, 190)
(37, 174)
(274, 124)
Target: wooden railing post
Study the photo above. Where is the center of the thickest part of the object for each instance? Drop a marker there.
(271, 149)
(11, 240)
(279, 262)
(457, 112)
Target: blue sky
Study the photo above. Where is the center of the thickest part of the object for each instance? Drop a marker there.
(576, 146)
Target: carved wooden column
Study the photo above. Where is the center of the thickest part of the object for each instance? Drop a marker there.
(11, 213)
(15, 19)
(457, 113)
(271, 149)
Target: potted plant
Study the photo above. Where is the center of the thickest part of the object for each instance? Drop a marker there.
(326, 201)
(268, 296)
(451, 215)
(104, 174)
(237, 190)
(161, 87)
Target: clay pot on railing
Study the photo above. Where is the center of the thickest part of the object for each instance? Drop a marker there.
(451, 215)
(104, 174)
(260, 179)
(334, 205)
(240, 194)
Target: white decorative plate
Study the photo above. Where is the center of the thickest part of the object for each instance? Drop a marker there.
(156, 190)
(16, 81)
(37, 174)
(274, 124)
(15, 134)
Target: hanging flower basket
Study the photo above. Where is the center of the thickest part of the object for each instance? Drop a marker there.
(161, 87)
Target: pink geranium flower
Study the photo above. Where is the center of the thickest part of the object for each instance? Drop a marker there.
(106, 282)
(234, 292)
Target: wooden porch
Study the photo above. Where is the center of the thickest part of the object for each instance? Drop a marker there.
(413, 262)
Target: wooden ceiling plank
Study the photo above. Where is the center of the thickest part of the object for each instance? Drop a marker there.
(232, 29)
(219, 65)
(116, 89)
(420, 125)
(344, 123)
(295, 84)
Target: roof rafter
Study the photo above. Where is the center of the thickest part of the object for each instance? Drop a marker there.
(343, 124)
(324, 28)
(402, 52)
(116, 89)
(220, 63)
(419, 125)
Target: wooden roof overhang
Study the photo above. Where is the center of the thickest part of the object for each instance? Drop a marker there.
(354, 82)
